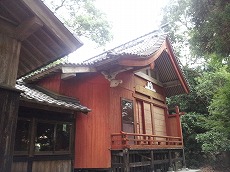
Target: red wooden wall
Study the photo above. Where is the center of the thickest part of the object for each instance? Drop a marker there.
(92, 141)
(51, 82)
(123, 90)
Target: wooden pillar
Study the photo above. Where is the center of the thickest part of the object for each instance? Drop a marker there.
(183, 162)
(9, 99)
(179, 128)
(152, 160)
(170, 158)
(126, 160)
(9, 59)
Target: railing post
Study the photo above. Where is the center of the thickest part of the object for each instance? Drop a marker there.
(124, 138)
(149, 140)
(167, 141)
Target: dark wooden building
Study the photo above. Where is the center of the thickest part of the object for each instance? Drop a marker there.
(129, 127)
(30, 37)
(45, 132)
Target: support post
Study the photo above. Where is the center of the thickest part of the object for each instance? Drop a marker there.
(184, 162)
(9, 101)
(170, 161)
(152, 160)
(9, 98)
(126, 160)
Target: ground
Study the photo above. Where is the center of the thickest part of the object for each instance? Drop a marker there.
(212, 169)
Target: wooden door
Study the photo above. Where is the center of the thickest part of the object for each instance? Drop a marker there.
(159, 121)
(144, 118)
(148, 118)
(127, 116)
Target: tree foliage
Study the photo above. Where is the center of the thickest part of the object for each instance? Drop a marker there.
(203, 26)
(211, 32)
(193, 125)
(215, 86)
(83, 18)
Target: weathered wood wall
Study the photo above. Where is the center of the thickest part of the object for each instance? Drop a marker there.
(9, 100)
(54, 166)
(43, 166)
(19, 167)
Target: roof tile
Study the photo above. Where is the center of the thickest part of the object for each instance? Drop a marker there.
(30, 93)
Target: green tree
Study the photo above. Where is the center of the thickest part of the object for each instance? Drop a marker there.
(211, 32)
(203, 26)
(217, 137)
(83, 18)
(193, 125)
(177, 20)
(195, 105)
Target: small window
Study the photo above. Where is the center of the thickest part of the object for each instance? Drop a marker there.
(127, 111)
(22, 136)
(53, 137)
(39, 137)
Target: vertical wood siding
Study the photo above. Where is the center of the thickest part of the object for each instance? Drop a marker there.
(54, 166)
(19, 167)
(43, 166)
(138, 115)
(148, 118)
(51, 83)
(172, 126)
(160, 125)
(123, 90)
(92, 139)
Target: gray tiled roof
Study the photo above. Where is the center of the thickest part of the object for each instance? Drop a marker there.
(143, 46)
(39, 95)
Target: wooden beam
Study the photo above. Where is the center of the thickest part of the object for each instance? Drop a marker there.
(9, 59)
(22, 31)
(77, 69)
(53, 24)
(28, 27)
(142, 75)
(152, 101)
(7, 28)
(44, 106)
(142, 61)
(65, 76)
(143, 90)
(171, 83)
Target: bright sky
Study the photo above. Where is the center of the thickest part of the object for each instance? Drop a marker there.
(129, 18)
